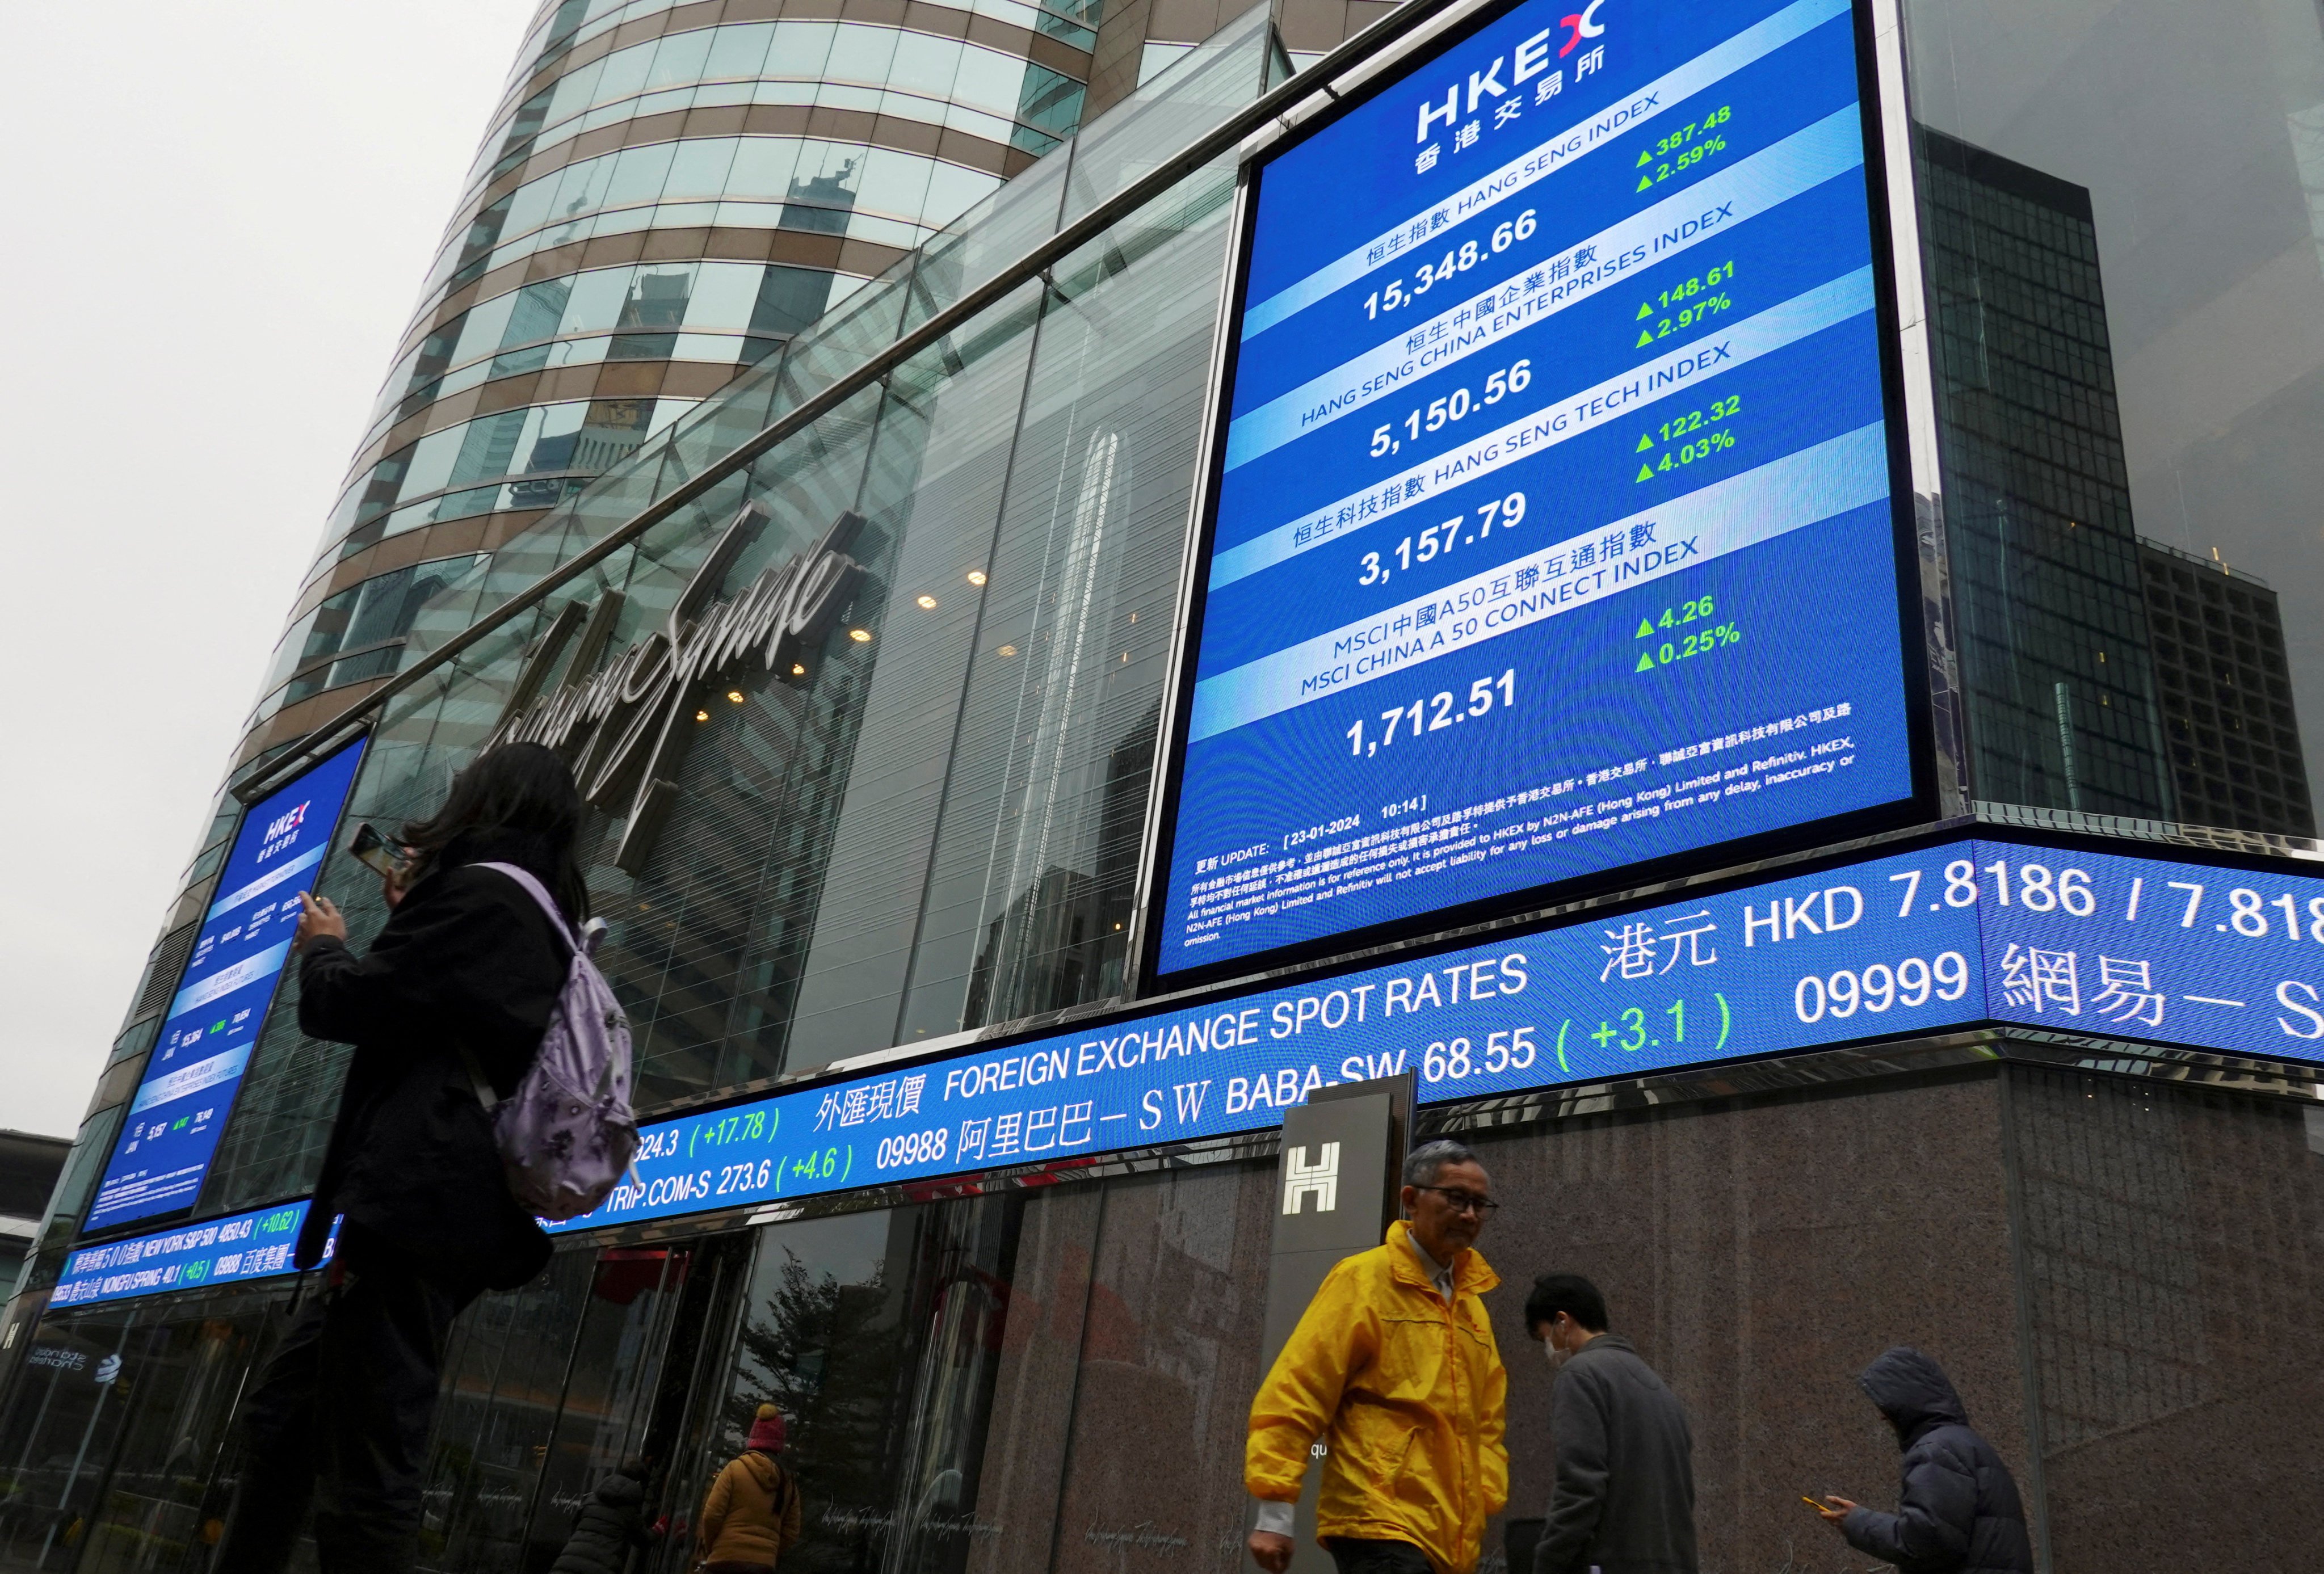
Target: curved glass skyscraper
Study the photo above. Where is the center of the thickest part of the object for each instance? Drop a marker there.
(666, 194)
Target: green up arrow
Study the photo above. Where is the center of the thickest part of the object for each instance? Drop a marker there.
(1646, 662)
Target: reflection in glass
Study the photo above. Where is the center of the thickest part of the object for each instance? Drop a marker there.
(359, 632)
(2037, 509)
(2206, 208)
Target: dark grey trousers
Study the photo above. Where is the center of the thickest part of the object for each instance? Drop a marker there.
(1354, 1557)
(340, 1420)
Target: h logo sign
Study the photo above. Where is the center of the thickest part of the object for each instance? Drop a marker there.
(1320, 1180)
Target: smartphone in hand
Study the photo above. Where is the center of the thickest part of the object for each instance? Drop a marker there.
(375, 851)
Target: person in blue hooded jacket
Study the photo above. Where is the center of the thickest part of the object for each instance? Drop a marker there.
(1958, 1510)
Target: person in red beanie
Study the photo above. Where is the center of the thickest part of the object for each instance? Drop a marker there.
(752, 1515)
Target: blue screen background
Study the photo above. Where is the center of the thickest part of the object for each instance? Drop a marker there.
(247, 1245)
(213, 1019)
(1689, 633)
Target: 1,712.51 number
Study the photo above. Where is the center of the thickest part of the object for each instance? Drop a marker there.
(1434, 714)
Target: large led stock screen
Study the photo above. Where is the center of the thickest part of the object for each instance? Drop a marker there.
(212, 1021)
(2063, 939)
(1551, 527)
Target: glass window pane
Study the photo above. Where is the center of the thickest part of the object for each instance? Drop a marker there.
(531, 205)
(924, 64)
(658, 296)
(801, 49)
(625, 72)
(762, 167)
(552, 447)
(679, 59)
(739, 51)
(722, 295)
(700, 166)
(575, 91)
(481, 334)
(788, 298)
(538, 309)
(989, 80)
(582, 189)
(597, 300)
(640, 174)
(860, 53)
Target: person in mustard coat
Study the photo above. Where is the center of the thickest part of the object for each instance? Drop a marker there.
(1394, 1370)
(752, 1515)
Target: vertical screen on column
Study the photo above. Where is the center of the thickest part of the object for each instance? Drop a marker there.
(1553, 520)
(203, 1046)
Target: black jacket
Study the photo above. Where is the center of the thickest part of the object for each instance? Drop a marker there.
(1958, 1512)
(609, 1525)
(467, 957)
(1625, 1498)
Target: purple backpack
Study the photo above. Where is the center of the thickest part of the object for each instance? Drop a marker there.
(566, 1134)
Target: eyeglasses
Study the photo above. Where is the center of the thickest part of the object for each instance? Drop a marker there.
(1461, 1201)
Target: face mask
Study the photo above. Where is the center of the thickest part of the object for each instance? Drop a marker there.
(1556, 1357)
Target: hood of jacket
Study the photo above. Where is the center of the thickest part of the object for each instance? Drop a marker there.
(1912, 1392)
(619, 1491)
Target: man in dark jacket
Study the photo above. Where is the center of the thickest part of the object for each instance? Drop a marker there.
(341, 1414)
(1958, 1510)
(1625, 1496)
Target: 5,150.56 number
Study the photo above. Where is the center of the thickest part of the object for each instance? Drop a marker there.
(1439, 413)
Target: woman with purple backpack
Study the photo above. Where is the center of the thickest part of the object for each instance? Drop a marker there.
(458, 988)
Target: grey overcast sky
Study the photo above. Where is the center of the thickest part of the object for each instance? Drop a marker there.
(216, 221)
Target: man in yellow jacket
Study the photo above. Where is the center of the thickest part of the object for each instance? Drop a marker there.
(1394, 1370)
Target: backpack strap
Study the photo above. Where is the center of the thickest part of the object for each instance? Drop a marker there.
(539, 894)
(480, 1084)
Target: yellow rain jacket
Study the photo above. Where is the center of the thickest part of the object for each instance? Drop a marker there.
(1409, 1397)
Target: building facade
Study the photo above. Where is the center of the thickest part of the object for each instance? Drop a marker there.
(2220, 668)
(922, 839)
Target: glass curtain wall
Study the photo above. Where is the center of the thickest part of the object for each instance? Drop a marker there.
(934, 823)
(2126, 202)
(112, 1437)
(975, 1385)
